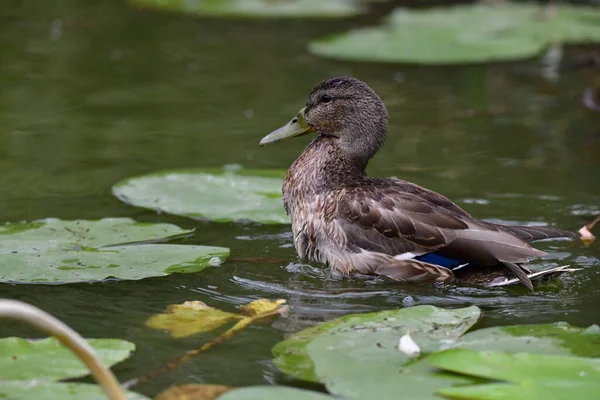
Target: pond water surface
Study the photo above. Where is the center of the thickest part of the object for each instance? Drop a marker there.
(95, 91)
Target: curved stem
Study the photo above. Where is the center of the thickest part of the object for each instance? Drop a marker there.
(42, 320)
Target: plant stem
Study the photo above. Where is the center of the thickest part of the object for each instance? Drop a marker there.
(239, 326)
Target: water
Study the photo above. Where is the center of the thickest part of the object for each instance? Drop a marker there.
(95, 92)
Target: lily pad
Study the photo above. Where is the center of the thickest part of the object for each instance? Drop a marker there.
(336, 352)
(22, 359)
(273, 393)
(553, 339)
(358, 356)
(55, 251)
(501, 366)
(258, 8)
(221, 195)
(535, 376)
(39, 389)
(526, 390)
(472, 33)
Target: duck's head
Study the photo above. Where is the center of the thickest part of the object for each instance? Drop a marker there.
(345, 110)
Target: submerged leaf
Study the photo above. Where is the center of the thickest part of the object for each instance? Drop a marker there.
(465, 34)
(56, 251)
(221, 195)
(193, 392)
(190, 318)
(273, 393)
(23, 359)
(194, 317)
(261, 306)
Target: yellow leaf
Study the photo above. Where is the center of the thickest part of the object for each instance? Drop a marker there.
(587, 237)
(193, 392)
(261, 306)
(190, 318)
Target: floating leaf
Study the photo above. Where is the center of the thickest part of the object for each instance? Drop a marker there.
(55, 251)
(220, 195)
(526, 390)
(465, 34)
(39, 389)
(339, 352)
(259, 8)
(534, 375)
(587, 237)
(554, 339)
(497, 365)
(273, 393)
(190, 318)
(193, 392)
(22, 359)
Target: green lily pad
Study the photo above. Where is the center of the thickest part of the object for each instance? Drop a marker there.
(342, 352)
(55, 251)
(536, 376)
(22, 359)
(272, 393)
(501, 366)
(221, 195)
(258, 8)
(526, 390)
(553, 339)
(465, 34)
(357, 356)
(39, 389)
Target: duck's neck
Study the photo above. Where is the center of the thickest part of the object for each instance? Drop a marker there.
(323, 165)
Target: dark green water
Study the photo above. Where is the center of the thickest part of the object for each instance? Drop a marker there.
(94, 91)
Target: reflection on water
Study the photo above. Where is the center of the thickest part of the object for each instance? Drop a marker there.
(96, 92)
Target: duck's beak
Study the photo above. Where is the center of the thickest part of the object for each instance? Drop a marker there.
(296, 127)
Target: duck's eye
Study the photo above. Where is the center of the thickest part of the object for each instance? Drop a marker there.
(325, 98)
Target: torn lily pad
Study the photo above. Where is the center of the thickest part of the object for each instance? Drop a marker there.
(220, 195)
(472, 33)
(56, 251)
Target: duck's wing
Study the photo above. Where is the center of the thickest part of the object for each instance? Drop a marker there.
(533, 233)
(401, 219)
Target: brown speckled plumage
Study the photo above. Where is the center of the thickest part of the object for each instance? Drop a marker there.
(355, 223)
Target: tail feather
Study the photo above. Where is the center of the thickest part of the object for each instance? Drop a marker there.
(521, 274)
(536, 275)
(533, 233)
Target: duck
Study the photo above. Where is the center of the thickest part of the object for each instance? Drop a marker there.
(357, 224)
